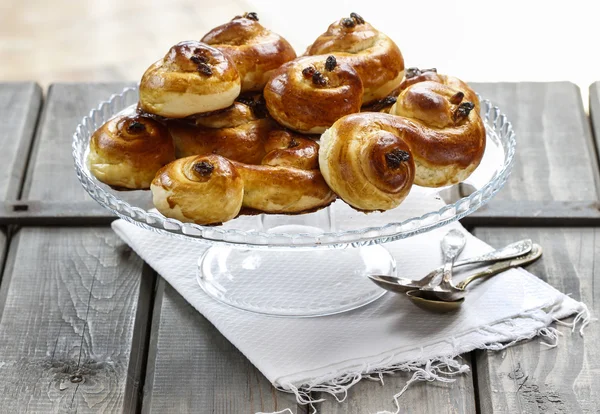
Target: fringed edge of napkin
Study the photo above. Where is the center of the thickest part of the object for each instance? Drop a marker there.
(506, 333)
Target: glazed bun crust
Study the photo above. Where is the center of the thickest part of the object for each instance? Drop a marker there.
(192, 78)
(283, 190)
(448, 142)
(432, 136)
(128, 150)
(255, 51)
(240, 134)
(366, 161)
(375, 57)
(202, 189)
(308, 95)
(211, 189)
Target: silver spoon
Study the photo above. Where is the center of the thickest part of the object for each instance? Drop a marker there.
(403, 285)
(447, 291)
(428, 300)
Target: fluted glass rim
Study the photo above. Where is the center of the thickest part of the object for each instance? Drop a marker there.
(493, 118)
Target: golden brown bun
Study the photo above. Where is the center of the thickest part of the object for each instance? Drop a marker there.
(447, 135)
(256, 51)
(452, 139)
(128, 150)
(365, 160)
(239, 134)
(416, 75)
(283, 190)
(373, 55)
(309, 94)
(210, 189)
(287, 149)
(204, 189)
(192, 78)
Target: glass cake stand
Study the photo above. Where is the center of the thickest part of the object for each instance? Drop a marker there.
(311, 264)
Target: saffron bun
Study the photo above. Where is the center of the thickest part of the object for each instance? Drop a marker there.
(200, 189)
(210, 189)
(255, 50)
(431, 138)
(449, 139)
(310, 93)
(245, 134)
(366, 161)
(375, 57)
(192, 78)
(128, 150)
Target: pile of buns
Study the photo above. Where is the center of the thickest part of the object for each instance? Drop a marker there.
(237, 124)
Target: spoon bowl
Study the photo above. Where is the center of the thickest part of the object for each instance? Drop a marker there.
(429, 302)
(403, 285)
(432, 300)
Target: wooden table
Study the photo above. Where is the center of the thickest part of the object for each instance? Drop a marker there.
(86, 326)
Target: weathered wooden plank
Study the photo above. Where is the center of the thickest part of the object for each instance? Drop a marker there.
(530, 378)
(595, 112)
(19, 107)
(75, 302)
(536, 213)
(422, 397)
(51, 160)
(54, 213)
(499, 213)
(555, 154)
(193, 368)
(73, 313)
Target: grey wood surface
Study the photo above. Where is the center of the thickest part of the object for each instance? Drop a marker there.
(63, 213)
(73, 301)
(193, 368)
(536, 213)
(19, 108)
(530, 378)
(555, 158)
(51, 160)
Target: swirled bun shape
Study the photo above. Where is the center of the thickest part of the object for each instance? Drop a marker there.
(431, 134)
(255, 50)
(192, 78)
(210, 189)
(448, 138)
(128, 150)
(245, 134)
(375, 57)
(366, 161)
(310, 93)
(202, 189)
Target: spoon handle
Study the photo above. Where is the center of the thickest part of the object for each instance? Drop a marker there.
(513, 250)
(490, 271)
(499, 267)
(510, 251)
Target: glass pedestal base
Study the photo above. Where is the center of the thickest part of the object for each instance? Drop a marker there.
(295, 283)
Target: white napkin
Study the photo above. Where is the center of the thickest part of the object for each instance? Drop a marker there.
(387, 335)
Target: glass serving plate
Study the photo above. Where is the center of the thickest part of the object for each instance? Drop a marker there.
(310, 264)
